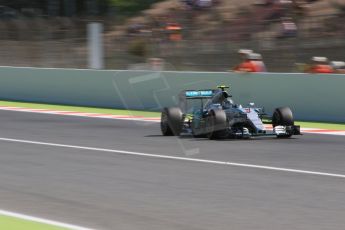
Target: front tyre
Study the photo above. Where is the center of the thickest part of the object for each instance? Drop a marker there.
(283, 117)
(171, 121)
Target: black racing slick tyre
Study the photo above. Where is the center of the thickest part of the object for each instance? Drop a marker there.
(282, 116)
(171, 121)
(216, 125)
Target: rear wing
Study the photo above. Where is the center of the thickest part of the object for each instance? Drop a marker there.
(187, 95)
(198, 94)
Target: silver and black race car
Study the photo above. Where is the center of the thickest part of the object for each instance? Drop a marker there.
(212, 113)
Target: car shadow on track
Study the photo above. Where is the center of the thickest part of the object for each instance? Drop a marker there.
(191, 138)
(245, 140)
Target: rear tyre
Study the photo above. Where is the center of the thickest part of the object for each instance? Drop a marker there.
(171, 121)
(283, 117)
(216, 125)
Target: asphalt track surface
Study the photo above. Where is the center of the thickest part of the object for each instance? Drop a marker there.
(107, 190)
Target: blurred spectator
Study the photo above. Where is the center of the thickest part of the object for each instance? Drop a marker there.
(174, 31)
(338, 66)
(134, 29)
(253, 63)
(138, 29)
(243, 54)
(288, 28)
(204, 3)
(199, 4)
(320, 65)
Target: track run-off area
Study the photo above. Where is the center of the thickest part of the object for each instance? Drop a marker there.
(133, 117)
(120, 173)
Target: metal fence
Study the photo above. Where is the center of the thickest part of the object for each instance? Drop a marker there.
(62, 42)
(43, 43)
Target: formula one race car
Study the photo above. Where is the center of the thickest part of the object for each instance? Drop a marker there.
(211, 113)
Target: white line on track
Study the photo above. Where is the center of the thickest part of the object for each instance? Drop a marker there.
(42, 221)
(198, 160)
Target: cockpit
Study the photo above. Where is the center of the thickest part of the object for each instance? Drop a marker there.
(227, 103)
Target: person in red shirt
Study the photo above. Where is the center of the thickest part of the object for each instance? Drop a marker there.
(320, 65)
(174, 31)
(252, 63)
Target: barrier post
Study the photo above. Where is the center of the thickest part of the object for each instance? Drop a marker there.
(95, 45)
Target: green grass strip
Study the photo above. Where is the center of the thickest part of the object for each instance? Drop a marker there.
(303, 124)
(11, 223)
(321, 125)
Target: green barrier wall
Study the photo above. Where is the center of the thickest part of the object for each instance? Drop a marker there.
(311, 97)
